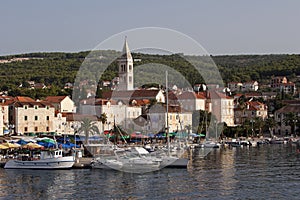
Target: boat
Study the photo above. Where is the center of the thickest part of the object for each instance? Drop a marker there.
(211, 144)
(133, 160)
(51, 159)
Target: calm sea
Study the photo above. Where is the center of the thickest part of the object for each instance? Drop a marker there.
(265, 172)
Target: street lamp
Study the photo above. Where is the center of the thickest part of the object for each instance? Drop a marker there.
(252, 121)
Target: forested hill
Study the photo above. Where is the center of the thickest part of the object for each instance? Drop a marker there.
(258, 67)
(60, 68)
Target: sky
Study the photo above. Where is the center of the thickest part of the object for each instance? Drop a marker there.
(220, 26)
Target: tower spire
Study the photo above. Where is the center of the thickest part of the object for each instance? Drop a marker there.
(126, 51)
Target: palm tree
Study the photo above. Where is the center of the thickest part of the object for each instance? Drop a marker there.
(259, 124)
(88, 127)
(103, 119)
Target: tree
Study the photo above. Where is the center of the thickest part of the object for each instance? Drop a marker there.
(103, 119)
(88, 127)
(269, 125)
(291, 119)
(259, 124)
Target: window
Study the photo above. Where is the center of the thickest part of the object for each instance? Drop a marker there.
(130, 79)
(25, 107)
(47, 118)
(130, 67)
(35, 107)
(25, 129)
(36, 118)
(47, 107)
(47, 128)
(36, 128)
(25, 118)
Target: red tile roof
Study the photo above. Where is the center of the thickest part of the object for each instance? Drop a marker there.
(136, 94)
(32, 104)
(24, 99)
(55, 99)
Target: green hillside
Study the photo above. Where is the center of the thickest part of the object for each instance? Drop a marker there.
(56, 69)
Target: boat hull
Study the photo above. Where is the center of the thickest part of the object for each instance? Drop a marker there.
(55, 163)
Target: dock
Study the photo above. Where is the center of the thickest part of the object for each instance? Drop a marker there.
(82, 163)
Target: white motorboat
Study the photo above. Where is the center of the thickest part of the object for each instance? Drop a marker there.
(52, 159)
(129, 160)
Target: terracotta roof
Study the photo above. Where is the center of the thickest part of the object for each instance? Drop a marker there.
(187, 95)
(140, 102)
(24, 99)
(201, 95)
(6, 100)
(32, 104)
(136, 94)
(289, 109)
(218, 95)
(55, 99)
(256, 105)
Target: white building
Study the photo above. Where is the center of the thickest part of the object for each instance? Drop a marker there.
(222, 107)
(62, 104)
(250, 86)
(115, 111)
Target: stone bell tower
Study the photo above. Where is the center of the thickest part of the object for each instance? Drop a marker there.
(125, 69)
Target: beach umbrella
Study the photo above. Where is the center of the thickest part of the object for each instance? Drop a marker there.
(11, 145)
(46, 144)
(32, 146)
(22, 142)
(3, 147)
(65, 146)
(48, 140)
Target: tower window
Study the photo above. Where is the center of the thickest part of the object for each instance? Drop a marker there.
(130, 67)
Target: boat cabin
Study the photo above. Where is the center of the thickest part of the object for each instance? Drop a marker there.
(51, 154)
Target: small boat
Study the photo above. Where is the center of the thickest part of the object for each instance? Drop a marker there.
(52, 159)
(211, 144)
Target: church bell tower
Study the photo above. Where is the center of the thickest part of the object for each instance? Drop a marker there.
(125, 69)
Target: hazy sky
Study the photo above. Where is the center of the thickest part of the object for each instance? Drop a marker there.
(220, 26)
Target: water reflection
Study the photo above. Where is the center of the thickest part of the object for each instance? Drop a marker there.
(264, 172)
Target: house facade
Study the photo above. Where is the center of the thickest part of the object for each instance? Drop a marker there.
(222, 107)
(251, 110)
(192, 101)
(32, 117)
(283, 127)
(276, 81)
(62, 104)
(115, 111)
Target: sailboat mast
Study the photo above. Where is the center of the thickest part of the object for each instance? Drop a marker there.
(167, 109)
